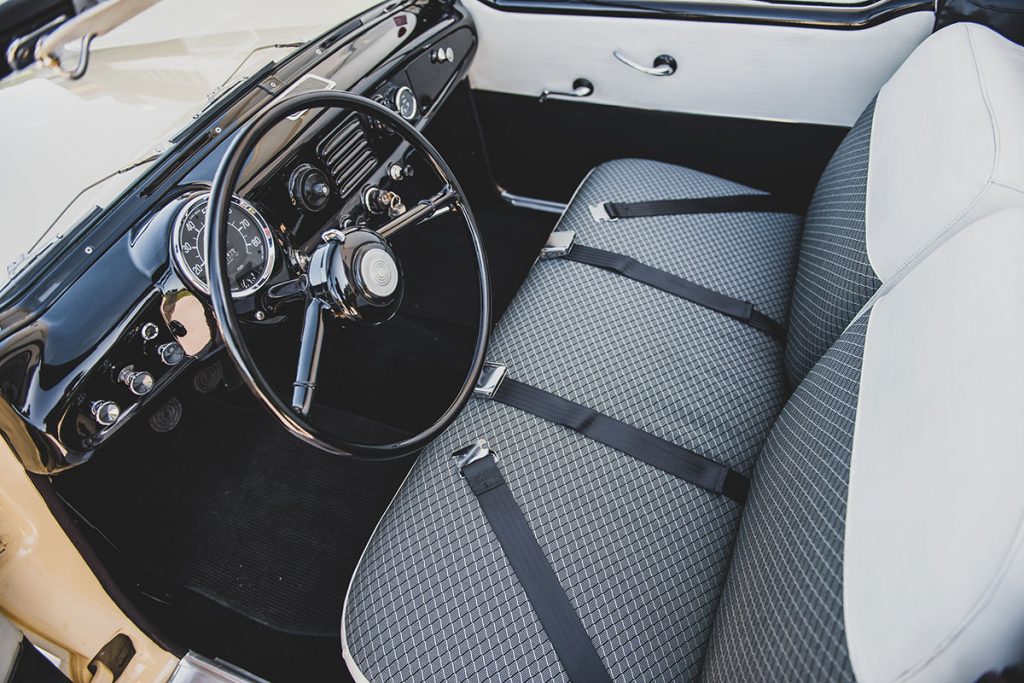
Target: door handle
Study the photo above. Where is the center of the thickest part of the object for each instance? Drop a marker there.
(581, 87)
(664, 65)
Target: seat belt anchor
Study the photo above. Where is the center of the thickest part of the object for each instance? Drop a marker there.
(490, 379)
(478, 450)
(599, 212)
(558, 245)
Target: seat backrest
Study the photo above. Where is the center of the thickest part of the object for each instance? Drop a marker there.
(883, 538)
(941, 146)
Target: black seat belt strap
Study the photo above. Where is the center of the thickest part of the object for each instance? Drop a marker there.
(664, 455)
(561, 623)
(562, 244)
(739, 203)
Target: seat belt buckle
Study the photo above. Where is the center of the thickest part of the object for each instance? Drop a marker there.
(600, 213)
(489, 380)
(467, 455)
(558, 245)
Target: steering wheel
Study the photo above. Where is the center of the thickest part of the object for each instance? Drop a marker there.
(352, 277)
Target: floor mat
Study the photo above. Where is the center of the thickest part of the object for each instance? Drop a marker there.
(232, 507)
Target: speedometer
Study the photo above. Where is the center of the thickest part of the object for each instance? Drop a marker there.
(250, 247)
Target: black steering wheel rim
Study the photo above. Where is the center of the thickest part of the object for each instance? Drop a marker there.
(225, 180)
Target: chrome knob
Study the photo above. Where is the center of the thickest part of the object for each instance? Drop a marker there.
(442, 55)
(105, 413)
(150, 331)
(139, 382)
(170, 353)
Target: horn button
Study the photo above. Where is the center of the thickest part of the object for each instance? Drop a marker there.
(356, 275)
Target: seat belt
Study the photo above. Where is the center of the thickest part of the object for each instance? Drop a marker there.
(739, 203)
(478, 466)
(561, 244)
(652, 450)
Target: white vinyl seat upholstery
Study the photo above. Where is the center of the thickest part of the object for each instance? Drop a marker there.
(880, 438)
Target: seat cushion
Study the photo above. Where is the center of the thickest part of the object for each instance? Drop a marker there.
(640, 553)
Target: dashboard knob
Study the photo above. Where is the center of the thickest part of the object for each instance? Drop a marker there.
(309, 188)
(105, 413)
(150, 331)
(399, 172)
(139, 382)
(170, 353)
(442, 55)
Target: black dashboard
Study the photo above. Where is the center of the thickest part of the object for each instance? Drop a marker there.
(128, 313)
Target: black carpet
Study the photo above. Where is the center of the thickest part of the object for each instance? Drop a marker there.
(232, 507)
(228, 516)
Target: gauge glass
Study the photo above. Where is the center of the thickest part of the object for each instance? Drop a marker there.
(405, 102)
(250, 246)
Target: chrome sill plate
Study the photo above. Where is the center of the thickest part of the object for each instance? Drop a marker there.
(195, 668)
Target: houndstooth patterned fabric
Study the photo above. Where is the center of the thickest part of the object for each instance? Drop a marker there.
(749, 256)
(834, 278)
(641, 554)
(781, 615)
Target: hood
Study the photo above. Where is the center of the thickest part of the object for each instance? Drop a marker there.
(146, 80)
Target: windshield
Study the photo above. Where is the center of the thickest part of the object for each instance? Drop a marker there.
(77, 144)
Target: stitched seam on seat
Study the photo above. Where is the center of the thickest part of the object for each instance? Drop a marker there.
(1008, 186)
(913, 258)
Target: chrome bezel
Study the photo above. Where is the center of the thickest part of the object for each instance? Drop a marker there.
(191, 278)
(415, 103)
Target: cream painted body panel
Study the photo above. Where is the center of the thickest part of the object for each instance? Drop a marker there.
(737, 70)
(51, 593)
(146, 80)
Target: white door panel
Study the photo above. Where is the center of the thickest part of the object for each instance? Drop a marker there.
(783, 73)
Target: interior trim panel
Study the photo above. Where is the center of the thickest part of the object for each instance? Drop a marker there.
(780, 73)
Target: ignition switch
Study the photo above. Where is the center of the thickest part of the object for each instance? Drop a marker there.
(378, 201)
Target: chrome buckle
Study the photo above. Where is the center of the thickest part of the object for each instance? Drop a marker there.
(490, 379)
(478, 450)
(599, 212)
(558, 245)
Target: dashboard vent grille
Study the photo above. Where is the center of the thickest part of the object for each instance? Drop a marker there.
(347, 155)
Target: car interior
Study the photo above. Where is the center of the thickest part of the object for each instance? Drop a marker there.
(641, 341)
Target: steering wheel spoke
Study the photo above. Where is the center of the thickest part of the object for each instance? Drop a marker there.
(439, 204)
(309, 357)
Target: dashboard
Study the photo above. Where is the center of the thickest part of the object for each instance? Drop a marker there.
(92, 359)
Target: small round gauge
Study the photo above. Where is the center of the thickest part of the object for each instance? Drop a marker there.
(405, 103)
(250, 247)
